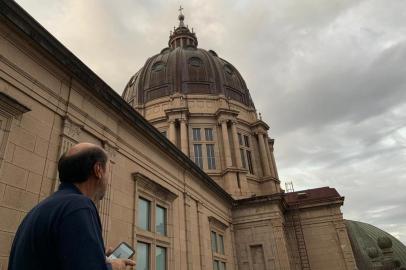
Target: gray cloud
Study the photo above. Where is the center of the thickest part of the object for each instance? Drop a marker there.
(327, 75)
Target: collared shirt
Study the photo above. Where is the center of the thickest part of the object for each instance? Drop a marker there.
(63, 232)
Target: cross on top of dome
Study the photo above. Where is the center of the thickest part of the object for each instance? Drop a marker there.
(181, 17)
(182, 36)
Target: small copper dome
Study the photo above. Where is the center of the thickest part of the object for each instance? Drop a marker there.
(185, 69)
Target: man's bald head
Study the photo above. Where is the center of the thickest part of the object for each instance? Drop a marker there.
(76, 165)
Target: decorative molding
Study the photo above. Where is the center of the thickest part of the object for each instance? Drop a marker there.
(12, 107)
(71, 129)
(147, 184)
(228, 112)
(260, 125)
(110, 149)
(217, 223)
(9, 109)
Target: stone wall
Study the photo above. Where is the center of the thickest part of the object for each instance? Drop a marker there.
(64, 111)
(259, 236)
(325, 237)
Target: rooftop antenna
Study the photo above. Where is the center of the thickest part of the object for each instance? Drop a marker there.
(289, 187)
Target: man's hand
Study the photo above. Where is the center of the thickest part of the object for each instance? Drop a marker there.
(120, 264)
(109, 250)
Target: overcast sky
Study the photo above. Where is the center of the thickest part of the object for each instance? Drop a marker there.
(329, 76)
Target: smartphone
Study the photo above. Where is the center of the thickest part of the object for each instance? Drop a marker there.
(122, 251)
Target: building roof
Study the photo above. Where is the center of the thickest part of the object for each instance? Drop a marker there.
(312, 196)
(185, 69)
(365, 236)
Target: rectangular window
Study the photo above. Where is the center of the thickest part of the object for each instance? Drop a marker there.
(246, 141)
(196, 134)
(240, 138)
(160, 258)
(222, 266)
(213, 242)
(208, 134)
(160, 220)
(198, 155)
(142, 256)
(220, 244)
(249, 159)
(244, 163)
(211, 159)
(144, 214)
(216, 265)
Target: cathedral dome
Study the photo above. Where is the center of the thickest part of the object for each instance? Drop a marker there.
(185, 69)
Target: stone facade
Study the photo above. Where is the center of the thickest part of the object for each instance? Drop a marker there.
(49, 101)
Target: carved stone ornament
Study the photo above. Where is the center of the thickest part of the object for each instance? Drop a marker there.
(217, 223)
(12, 107)
(71, 129)
(110, 149)
(153, 187)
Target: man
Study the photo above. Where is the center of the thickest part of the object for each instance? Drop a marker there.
(63, 232)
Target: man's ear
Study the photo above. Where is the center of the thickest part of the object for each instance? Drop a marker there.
(98, 170)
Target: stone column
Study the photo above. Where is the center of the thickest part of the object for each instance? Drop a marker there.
(274, 165)
(236, 145)
(268, 154)
(105, 204)
(281, 244)
(226, 144)
(202, 235)
(172, 131)
(69, 137)
(264, 158)
(184, 137)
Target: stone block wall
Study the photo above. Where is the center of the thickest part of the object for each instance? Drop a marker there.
(63, 111)
(325, 235)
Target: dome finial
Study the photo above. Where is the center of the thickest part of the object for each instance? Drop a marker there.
(181, 17)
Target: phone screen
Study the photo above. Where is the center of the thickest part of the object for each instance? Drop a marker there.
(123, 251)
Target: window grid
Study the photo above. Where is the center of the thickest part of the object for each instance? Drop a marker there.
(160, 220)
(244, 163)
(144, 214)
(217, 247)
(211, 159)
(196, 134)
(154, 256)
(160, 258)
(208, 134)
(198, 155)
(240, 139)
(214, 242)
(246, 141)
(249, 159)
(143, 255)
(245, 152)
(203, 148)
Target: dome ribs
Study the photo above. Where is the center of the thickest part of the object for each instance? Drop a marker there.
(187, 70)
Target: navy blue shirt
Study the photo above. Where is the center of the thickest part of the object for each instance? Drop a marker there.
(61, 232)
